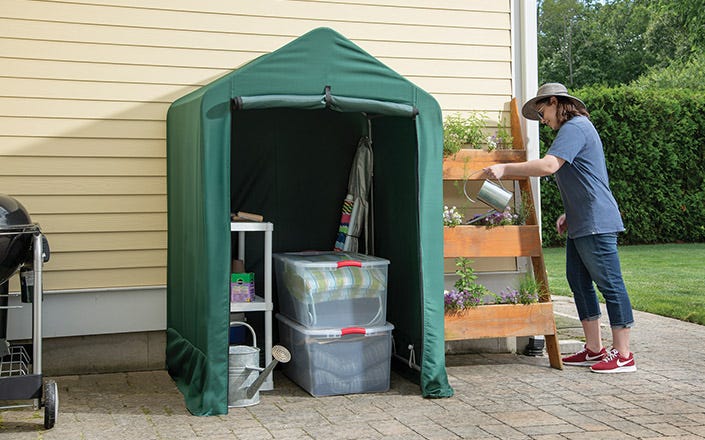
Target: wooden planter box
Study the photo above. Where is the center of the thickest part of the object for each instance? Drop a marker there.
(464, 163)
(500, 321)
(498, 241)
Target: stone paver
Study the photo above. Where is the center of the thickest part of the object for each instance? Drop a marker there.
(500, 396)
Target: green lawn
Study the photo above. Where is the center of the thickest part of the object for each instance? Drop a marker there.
(665, 279)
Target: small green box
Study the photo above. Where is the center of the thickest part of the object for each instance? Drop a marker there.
(242, 287)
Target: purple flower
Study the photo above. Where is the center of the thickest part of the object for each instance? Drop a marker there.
(456, 300)
(508, 296)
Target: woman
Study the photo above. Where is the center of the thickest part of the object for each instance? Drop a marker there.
(592, 220)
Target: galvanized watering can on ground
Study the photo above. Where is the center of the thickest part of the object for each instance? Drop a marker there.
(245, 377)
(491, 194)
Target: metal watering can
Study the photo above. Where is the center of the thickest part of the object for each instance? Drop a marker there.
(245, 377)
(491, 194)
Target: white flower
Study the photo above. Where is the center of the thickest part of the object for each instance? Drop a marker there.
(451, 216)
(491, 143)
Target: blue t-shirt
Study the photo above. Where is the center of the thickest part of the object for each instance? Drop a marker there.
(590, 207)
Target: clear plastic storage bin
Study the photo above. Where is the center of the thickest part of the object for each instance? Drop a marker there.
(332, 289)
(328, 362)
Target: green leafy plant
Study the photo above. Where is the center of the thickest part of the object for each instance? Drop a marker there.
(468, 292)
(502, 139)
(526, 208)
(529, 289)
(466, 274)
(527, 293)
(459, 130)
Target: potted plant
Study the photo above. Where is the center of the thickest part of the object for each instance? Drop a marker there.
(473, 312)
(502, 139)
(467, 292)
(459, 131)
(499, 234)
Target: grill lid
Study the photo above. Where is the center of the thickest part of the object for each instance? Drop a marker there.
(12, 214)
(15, 244)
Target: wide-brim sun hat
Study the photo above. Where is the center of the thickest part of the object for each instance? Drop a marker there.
(546, 91)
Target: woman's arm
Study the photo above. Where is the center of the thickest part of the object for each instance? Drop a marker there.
(545, 166)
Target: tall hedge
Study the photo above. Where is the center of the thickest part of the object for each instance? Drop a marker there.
(654, 143)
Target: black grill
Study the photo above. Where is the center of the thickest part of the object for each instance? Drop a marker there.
(15, 249)
(15, 243)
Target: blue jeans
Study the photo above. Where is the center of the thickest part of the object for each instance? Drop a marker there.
(594, 258)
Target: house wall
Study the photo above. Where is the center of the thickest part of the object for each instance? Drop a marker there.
(84, 91)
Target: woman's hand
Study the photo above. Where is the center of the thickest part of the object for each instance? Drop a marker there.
(495, 171)
(561, 224)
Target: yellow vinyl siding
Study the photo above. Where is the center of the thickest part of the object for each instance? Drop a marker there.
(94, 90)
(254, 16)
(102, 241)
(62, 185)
(92, 128)
(85, 109)
(88, 71)
(115, 259)
(99, 278)
(77, 147)
(85, 87)
(84, 166)
(143, 221)
(104, 203)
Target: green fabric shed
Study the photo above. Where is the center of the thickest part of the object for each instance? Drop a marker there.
(277, 137)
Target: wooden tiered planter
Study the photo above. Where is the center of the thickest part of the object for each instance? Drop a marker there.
(500, 320)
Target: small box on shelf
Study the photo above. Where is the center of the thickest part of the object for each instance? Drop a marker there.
(242, 287)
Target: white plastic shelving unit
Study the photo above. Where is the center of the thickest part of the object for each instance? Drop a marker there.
(260, 304)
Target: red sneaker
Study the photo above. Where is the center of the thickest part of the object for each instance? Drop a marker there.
(615, 363)
(585, 357)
